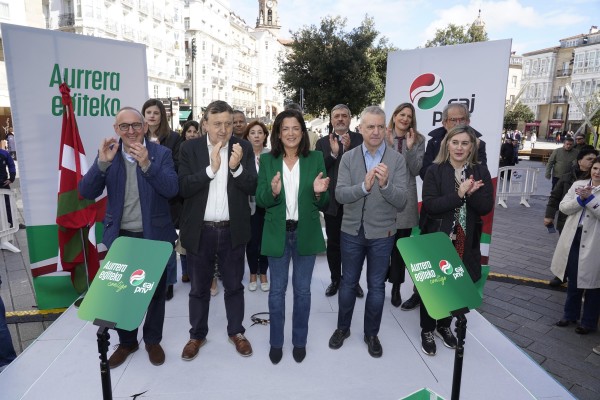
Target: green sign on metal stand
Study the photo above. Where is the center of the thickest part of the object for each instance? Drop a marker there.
(439, 274)
(124, 285)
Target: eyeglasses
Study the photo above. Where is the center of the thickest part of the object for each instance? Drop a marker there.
(457, 120)
(137, 126)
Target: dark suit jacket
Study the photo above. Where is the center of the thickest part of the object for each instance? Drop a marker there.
(155, 187)
(309, 233)
(332, 165)
(194, 184)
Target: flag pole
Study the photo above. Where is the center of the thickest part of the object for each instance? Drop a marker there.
(85, 263)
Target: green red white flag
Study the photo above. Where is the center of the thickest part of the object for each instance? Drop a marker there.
(75, 216)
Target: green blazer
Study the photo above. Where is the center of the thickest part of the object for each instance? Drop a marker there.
(309, 233)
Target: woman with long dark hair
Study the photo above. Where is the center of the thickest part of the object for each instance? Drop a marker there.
(292, 187)
(155, 115)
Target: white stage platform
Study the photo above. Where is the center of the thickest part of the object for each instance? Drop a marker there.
(63, 363)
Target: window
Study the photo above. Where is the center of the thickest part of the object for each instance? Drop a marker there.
(186, 23)
(168, 91)
(535, 68)
(155, 91)
(513, 80)
(543, 65)
(4, 10)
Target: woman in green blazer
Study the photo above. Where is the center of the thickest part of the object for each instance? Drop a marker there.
(292, 187)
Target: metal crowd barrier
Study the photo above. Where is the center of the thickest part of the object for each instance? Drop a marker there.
(6, 231)
(516, 182)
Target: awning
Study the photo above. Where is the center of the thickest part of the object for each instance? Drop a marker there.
(555, 124)
(184, 115)
(536, 123)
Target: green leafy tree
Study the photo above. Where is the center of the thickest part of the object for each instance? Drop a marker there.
(520, 112)
(457, 34)
(334, 65)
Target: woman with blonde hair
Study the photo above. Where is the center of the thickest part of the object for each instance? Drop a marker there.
(404, 138)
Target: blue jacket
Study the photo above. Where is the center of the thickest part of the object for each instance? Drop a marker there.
(6, 161)
(156, 186)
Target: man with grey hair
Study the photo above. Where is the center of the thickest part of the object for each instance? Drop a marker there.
(372, 187)
(140, 178)
(333, 146)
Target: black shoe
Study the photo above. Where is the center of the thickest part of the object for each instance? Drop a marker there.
(359, 292)
(428, 343)
(582, 330)
(413, 302)
(275, 355)
(374, 346)
(447, 337)
(169, 292)
(22, 226)
(299, 353)
(555, 282)
(396, 298)
(337, 339)
(564, 322)
(332, 289)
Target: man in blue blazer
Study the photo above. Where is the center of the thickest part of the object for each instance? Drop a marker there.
(217, 173)
(140, 178)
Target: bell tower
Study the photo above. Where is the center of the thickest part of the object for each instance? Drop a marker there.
(268, 17)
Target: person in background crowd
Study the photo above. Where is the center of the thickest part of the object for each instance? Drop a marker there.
(217, 173)
(155, 114)
(139, 177)
(457, 192)
(10, 143)
(239, 124)
(577, 253)
(372, 185)
(7, 350)
(333, 146)
(533, 139)
(579, 142)
(292, 186)
(404, 138)
(8, 173)
(580, 170)
(257, 133)
(560, 161)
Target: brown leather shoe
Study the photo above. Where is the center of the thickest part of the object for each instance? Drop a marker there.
(156, 354)
(191, 349)
(242, 345)
(120, 355)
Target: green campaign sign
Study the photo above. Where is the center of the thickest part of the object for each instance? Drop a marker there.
(423, 394)
(125, 283)
(439, 274)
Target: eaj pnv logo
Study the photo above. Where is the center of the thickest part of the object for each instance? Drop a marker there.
(137, 277)
(446, 267)
(426, 91)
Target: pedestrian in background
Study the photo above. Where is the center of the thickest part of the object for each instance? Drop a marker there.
(292, 187)
(577, 253)
(560, 161)
(257, 133)
(7, 350)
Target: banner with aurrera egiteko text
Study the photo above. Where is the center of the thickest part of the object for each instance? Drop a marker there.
(103, 75)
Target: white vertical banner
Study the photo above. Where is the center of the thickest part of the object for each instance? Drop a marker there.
(475, 74)
(104, 75)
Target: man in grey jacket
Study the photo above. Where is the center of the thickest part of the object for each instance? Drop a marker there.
(371, 184)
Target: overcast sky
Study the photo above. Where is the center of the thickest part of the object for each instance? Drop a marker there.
(531, 24)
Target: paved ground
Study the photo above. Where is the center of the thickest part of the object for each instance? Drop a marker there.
(521, 306)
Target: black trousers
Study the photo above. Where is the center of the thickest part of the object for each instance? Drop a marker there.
(333, 228)
(397, 265)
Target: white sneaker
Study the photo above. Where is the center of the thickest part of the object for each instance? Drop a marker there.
(265, 286)
(252, 286)
(596, 349)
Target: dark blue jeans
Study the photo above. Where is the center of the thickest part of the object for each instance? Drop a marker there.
(216, 242)
(279, 268)
(377, 252)
(7, 351)
(591, 305)
(155, 316)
